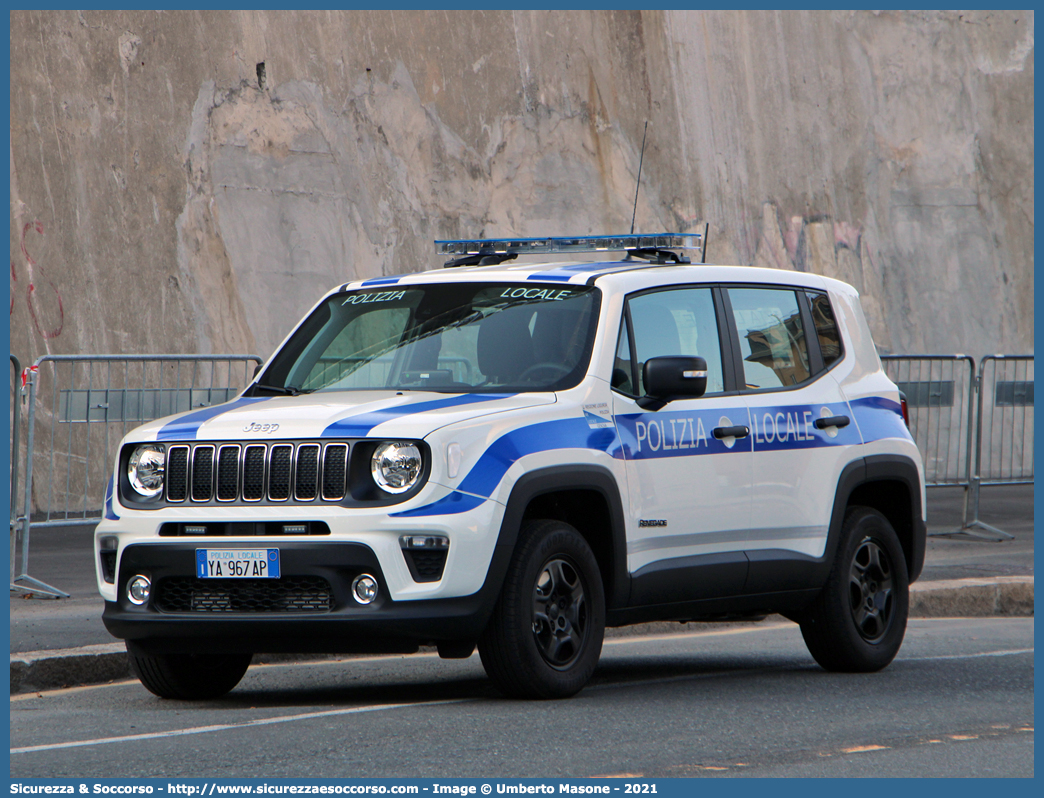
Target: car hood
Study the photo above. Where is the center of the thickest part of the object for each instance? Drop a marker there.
(340, 414)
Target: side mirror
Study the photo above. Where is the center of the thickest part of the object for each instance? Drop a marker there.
(669, 378)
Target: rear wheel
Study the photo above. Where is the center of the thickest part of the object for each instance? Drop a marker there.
(545, 635)
(858, 621)
(189, 677)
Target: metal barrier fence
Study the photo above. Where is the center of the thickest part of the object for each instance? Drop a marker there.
(940, 396)
(1004, 455)
(81, 406)
(1004, 443)
(972, 428)
(16, 426)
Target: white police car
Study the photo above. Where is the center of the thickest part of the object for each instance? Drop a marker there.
(517, 456)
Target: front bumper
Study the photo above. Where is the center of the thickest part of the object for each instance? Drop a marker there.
(198, 622)
(470, 531)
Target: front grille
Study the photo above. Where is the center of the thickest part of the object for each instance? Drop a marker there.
(289, 594)
(257, 472)
(335, 469)
(307, 480)
(228, 474)
(254, 474)
(202, 473)
(177, 473)
(279, 465)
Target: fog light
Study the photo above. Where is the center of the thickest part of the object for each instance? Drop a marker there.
(138, 590)
(108, 543)
(364, 588)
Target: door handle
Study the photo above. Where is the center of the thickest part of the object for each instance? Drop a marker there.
(832, 421)
(739, 431)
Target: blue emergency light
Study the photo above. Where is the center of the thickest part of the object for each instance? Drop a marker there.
(485, 251)
(536, 246)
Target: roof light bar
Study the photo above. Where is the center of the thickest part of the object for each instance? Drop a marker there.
(527, 246)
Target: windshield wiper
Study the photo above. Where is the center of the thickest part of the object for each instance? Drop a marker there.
(288, 390)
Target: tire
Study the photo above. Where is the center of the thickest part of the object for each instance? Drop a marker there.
(534, 647)
(857, 622)
(189, 677)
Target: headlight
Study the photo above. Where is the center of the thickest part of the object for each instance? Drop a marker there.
(145, 470)
(396, 466)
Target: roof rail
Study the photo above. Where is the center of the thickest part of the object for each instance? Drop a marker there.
(655, 247)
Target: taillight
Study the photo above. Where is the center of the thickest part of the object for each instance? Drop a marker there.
(905, 407)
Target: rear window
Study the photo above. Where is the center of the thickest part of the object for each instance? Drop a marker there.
(826, 329)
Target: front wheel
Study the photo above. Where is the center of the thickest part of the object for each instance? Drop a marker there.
(545, 635)
(189, 677)
(858, 621)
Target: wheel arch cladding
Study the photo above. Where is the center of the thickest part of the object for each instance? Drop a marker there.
(892, 487)
(586, 498)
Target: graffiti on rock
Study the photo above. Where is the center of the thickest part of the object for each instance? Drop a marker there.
(45, 307)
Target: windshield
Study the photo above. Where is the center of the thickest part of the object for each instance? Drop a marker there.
(458, 338)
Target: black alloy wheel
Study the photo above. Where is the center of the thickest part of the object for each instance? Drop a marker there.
(857, 622)
(871, 591)
(544, 637)
(560, 620)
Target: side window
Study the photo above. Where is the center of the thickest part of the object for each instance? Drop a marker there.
(621, 379)
(678, 322)
(771, 336)
(826, 329)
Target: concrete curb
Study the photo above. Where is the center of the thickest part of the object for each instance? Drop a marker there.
(997, 595)
(68, 667)
(994, 596)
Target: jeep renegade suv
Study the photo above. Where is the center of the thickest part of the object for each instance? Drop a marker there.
(517, 456)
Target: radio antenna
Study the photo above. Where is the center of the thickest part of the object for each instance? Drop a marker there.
(640, 159)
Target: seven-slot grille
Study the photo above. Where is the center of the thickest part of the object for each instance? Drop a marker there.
(256, 472)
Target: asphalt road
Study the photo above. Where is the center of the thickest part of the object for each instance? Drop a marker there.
(745, 701)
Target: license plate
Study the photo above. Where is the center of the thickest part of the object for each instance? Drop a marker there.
(237, 563)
